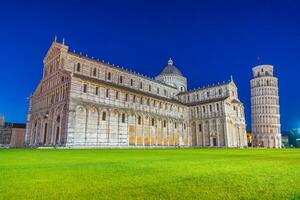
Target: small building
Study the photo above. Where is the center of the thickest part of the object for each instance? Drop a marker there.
(1, 120)
(11, 134)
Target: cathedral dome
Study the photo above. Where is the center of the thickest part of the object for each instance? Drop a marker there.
(170, 69)
(170, 75)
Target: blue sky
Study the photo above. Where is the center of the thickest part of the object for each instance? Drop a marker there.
(208, 41)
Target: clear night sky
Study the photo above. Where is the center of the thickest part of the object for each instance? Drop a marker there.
(208, 41)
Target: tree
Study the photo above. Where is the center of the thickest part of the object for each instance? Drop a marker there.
(291, 138)
(294, 136)
(298, 143)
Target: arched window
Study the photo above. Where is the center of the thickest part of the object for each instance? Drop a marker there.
(200, 128)
(84, 88)
(131, 82)
(141, 85)
(121, 79)
(96, 90)
(108, 76)
(152, 122)
(165, 123)
(103, 116)
(123, 118)
(133, 99)
(58, 119)
(78, 67)
(139, 120)
(94, 72)
(107, 93)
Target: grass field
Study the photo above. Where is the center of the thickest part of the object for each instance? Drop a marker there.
(150, 174)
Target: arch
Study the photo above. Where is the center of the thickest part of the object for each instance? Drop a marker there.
(92, 125)
(194, 134)
(80, 124)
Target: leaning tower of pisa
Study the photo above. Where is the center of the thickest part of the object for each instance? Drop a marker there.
(265, 108)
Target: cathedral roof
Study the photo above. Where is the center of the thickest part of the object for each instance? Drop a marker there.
(95, 80)
(170, 69)
(207, 101)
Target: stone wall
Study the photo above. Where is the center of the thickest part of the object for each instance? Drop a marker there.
(17, 137)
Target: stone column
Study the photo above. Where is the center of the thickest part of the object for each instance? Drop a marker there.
(226, 133)
(98, 125)
(209, 133)
(196, 133)
(218, 134)
(143, 131)
(203, 135)
(108, 126)
(135, 130)
(119, 128)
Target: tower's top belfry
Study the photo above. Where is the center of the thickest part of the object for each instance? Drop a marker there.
(262, 70)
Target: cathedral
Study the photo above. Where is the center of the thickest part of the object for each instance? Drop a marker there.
(82, 102)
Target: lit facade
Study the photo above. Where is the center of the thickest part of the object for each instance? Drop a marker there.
(265, 114)
(81, 102)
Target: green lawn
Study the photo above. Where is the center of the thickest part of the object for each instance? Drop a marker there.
(150, 174)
